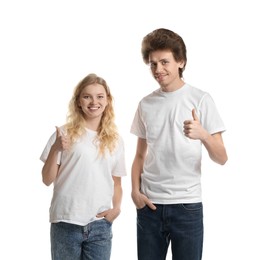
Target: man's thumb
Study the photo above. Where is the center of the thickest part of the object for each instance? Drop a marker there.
(195, 117)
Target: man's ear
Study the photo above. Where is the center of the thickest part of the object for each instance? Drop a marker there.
(181, 64)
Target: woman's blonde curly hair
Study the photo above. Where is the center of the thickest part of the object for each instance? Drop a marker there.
(107, 134)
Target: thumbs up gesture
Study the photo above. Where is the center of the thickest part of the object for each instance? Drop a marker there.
(193, 129)
(62, 141)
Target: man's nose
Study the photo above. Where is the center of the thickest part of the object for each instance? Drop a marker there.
(158, 68)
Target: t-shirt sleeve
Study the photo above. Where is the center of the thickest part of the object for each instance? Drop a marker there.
(44, 155)
(138, 126)
(119, 168)
(209, 115)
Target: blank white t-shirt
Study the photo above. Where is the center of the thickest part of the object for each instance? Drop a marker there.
(172, 168)
(84, 186)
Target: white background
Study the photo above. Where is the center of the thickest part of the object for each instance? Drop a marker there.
(47, 47)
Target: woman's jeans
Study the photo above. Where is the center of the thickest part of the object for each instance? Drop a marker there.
(74, 242)
(180, 224)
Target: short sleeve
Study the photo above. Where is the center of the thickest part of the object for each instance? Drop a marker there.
(138, 126)
(209, 115)
(44, 155)
(119, 168)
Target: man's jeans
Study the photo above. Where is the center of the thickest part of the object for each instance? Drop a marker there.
(180, 224)
(74, 242)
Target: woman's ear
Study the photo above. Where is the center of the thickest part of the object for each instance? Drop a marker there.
(78, 103)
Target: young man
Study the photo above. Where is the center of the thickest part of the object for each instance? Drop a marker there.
(172, 123)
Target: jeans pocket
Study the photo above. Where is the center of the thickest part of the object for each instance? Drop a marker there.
(193, 206)
(144, 208)
(107, 221)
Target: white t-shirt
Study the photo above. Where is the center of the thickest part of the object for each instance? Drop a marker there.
(172, 168)
(84, 186)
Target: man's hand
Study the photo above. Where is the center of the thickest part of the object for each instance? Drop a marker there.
(193, 129)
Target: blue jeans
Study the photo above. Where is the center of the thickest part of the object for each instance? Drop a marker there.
(74, 242)
(180, 224)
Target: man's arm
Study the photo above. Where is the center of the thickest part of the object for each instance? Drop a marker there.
(138, 198)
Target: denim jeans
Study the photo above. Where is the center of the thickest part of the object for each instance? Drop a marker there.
(180, 224)
(74, 242)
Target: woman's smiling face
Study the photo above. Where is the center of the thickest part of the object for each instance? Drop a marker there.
(93, 101)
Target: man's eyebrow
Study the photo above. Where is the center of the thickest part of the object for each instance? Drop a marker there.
(161, 60)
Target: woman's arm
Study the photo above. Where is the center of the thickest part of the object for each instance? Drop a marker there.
(114, 212)
(50, 168)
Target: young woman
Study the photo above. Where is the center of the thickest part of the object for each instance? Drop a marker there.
(85, 161)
